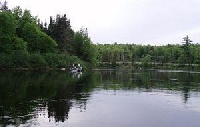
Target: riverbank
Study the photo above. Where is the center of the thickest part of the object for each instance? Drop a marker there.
(36, 61)
(150, 65)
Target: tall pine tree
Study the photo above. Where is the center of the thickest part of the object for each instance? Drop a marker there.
(186, 48)
(60, 30)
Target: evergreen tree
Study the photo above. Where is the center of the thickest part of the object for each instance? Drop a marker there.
(186, 48)
(60, 30)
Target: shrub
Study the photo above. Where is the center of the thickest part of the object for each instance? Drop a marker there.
(37, 61)
(6, 61)
(20, 59)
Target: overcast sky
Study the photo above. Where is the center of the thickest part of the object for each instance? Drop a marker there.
(155, 22)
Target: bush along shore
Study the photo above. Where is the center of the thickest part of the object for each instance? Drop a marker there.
(38, 61)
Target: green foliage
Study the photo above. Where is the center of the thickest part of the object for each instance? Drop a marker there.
(186, 49)
(5, 44)
(17, 13)
(37, 61)
(47, 44)
(9, 45)
(26, 44)
(146, 61)
(60, 30)
(37, 40)
(52, 60)
(20, 59)
(16, 59)
(30, 34)
(22, 17)
(8, 24)
(57, 60)
(83, 47)
(181, 59)
(62, 60)
(7, 31)
(26, 28)
(6, 61)
(131, 54)
(19, 45)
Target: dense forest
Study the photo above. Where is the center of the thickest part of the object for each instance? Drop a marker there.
(177, 56)
(27, 42)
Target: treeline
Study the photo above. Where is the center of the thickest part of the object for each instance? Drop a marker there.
(148, 56)
(25, 42)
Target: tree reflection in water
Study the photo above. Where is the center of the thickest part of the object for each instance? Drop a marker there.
(27, 96)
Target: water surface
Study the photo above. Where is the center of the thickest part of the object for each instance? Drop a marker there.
(108, 98)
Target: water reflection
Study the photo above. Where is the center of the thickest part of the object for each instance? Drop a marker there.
(28, 98)
(24, 94)
(76, 74)
(151, 80)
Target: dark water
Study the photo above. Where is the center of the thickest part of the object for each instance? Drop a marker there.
(101, 98)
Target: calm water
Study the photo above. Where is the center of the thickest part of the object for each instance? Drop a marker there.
(101, 98)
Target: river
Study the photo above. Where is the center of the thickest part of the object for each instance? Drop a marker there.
(100, 98)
